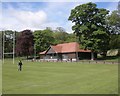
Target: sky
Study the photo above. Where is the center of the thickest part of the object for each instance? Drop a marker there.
(19, 16)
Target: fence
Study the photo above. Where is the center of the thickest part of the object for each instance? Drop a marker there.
(81, 61)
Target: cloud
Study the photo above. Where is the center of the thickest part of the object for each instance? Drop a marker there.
(59, 13)
(112, 6)
(69, 27)
(31, 18)
(14, 19)
(53, 25)
(35, 16)
(20, 18)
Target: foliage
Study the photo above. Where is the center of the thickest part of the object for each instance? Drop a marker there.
(24, 44)
(63, 37)
(71, 38)
(90, 26)
(115, 41)
(114, 22)
(43, 39)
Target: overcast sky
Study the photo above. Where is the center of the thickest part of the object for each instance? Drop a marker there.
(36, 16)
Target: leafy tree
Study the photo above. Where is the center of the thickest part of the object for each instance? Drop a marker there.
(24, 43)
(60, 29)
(90, 26)
(114, 22)
(115, 41)
(43, 39)
(61, 36)
(71, 38)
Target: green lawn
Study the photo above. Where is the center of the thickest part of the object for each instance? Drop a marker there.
(60, 78)
(0, 77)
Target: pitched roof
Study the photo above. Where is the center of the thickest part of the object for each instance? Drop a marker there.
(43, 52)
(67, 48)
(57, 48)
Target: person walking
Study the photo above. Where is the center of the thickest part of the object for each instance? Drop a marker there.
(20, 65)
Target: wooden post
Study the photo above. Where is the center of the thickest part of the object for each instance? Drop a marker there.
(14, 47)
(92, 55)
(34, 51)
(76, 56)
(3, 46)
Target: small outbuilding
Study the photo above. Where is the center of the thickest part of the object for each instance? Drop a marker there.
(66, 52)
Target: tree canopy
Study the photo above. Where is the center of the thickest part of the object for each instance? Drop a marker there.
(25, 43)
(90, 26)
(43, 39)
(60, 36)
(113, 20)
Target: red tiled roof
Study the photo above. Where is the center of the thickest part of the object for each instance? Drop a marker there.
(43, 52)
(57, 49)
(67, 48)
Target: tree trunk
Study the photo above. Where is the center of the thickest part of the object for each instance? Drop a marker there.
(104, 54)
(27, 56)
(92, 55)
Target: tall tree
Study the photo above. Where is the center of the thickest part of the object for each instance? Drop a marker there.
(25, 43)
(43, 39)
(114, 22)
(60, 29)
(90, 27)
(61, 36)
(115, 41)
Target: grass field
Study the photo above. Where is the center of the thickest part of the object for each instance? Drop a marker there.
(0, 77)
(59, 78)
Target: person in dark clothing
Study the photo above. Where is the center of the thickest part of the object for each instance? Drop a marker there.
(20, 65)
